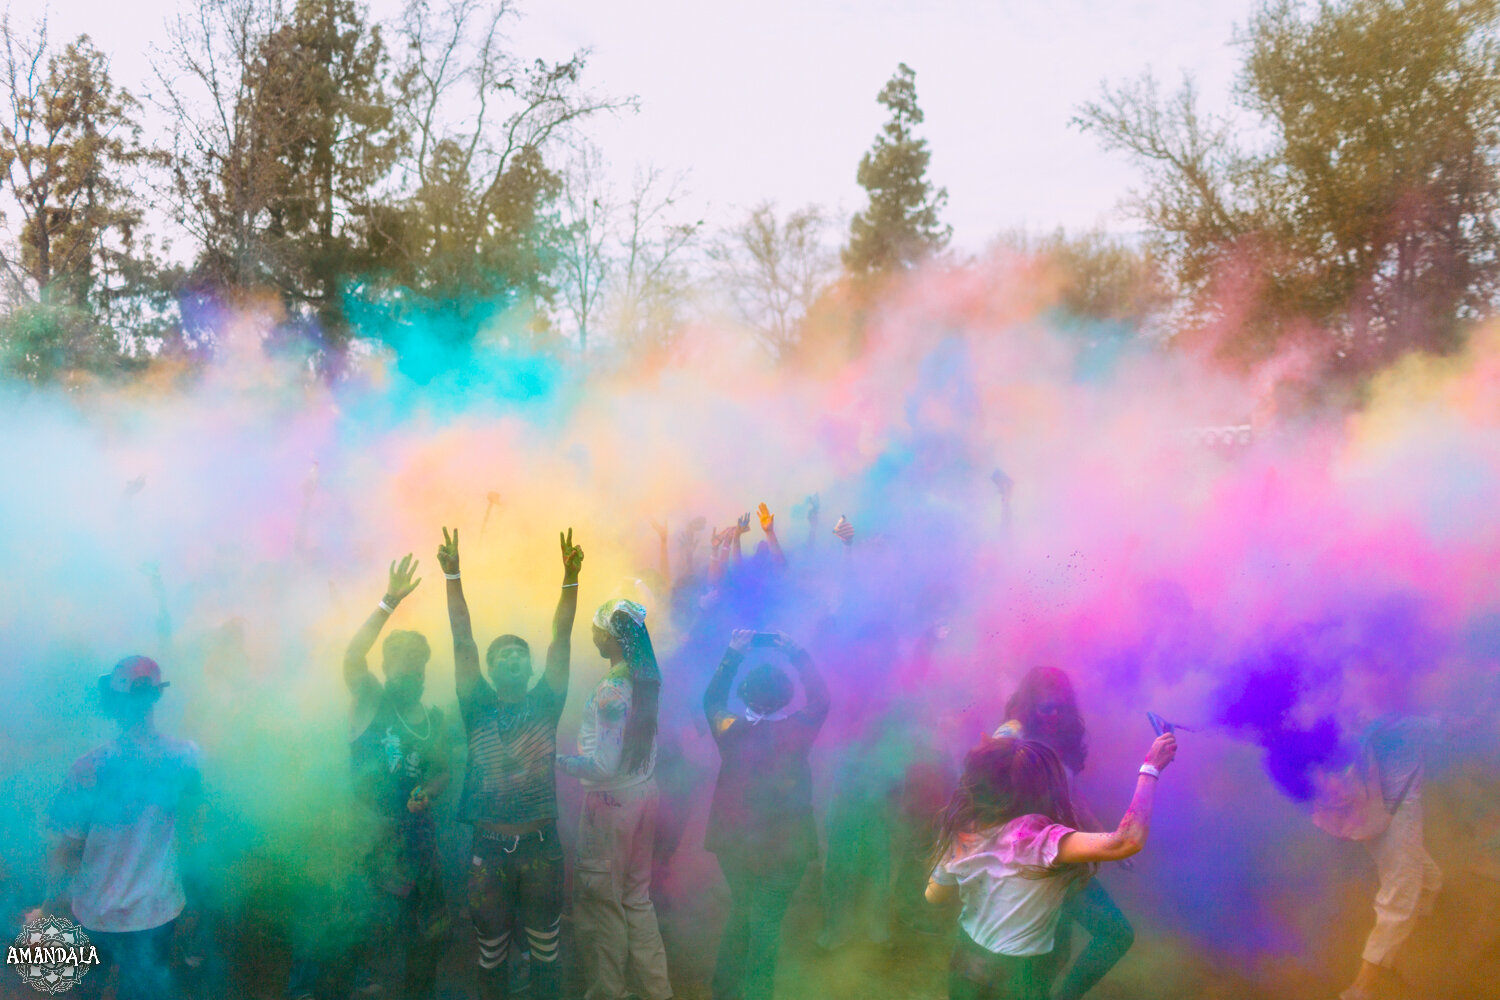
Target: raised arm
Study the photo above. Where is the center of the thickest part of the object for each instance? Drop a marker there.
(465, 650)
(560, 651)
(719, 555)
(1130, 836)
(400, 583)
(768, 525)
(716, 698)
(814, 689)
(813, 505)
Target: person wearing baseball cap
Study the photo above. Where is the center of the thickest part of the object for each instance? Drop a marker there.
(115, 857)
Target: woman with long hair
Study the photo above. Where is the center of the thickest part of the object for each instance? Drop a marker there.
(614, 921)
(1045, 708)
(1009, 850)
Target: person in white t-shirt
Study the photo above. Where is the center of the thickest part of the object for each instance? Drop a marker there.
(118, 822)
(1009, 851)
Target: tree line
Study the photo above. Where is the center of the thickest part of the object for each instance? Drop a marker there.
(367, 180)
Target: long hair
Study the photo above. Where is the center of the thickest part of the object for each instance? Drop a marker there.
(1048, 684)
(1003, 780)
(645, 691)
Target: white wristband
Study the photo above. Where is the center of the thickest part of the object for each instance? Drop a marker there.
(567, 585)
(450, 576)
(386, 607)
(1151, 769)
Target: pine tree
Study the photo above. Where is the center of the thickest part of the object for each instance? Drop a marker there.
(900, 226)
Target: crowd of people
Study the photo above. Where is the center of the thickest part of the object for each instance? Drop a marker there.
(1002, 852)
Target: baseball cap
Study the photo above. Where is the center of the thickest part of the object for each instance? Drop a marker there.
(133, 673)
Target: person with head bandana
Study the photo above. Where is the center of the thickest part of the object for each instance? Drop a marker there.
(614, 921)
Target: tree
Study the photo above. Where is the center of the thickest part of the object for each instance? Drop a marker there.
(285, 153)
(775, 271)
(481, 226)
(227, 142)
(70, 155)
(324, 71)
(1098, 277)
(900, 226)
(1370, 216)
(589, 215)
(652, 279)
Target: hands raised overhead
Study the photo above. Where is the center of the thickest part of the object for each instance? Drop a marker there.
(401, 582)
(572, 555)
(447, 553)
(767, 519)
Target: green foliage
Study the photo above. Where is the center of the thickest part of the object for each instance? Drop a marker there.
(900, 226)
(1098, 277)
(1370, 215)
(291, 194)
(69, 146)
(44, 343)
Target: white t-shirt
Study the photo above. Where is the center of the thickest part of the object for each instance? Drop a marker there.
(1004, 911)
(601, 740)
(122, 800)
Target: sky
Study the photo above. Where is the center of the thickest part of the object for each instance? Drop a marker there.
(776, 100)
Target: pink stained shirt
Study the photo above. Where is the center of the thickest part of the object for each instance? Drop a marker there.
(1004, 911)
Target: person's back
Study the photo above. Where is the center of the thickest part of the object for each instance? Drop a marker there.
(118, 819)
(761, 823)
(1006, 908)
(762, 800)
(123, 801)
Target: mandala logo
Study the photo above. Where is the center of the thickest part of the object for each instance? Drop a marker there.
(52, 954)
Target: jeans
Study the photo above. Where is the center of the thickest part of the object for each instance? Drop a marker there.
(1110, 937)
(614, 921)
(144, 958)
(978, 974)
(517, 883)
(758, 898)
(404, 907)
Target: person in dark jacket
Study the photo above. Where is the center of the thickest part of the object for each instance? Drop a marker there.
(761, 823)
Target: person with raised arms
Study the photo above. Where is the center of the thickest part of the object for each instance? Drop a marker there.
(399, 753)
(510, 786)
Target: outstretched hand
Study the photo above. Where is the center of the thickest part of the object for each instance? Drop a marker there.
(739, 639)
(743, 524)
(767, 519)
(813, 503)
(572, 555)
(660, 527)
(401, 580)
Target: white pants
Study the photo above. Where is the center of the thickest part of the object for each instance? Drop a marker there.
(1409, 882)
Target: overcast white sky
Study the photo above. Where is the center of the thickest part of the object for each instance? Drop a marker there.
(777, 99)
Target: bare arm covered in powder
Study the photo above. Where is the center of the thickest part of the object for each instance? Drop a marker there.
(560, 651)
(356, 670)
(1129, 837)
(465, 650)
